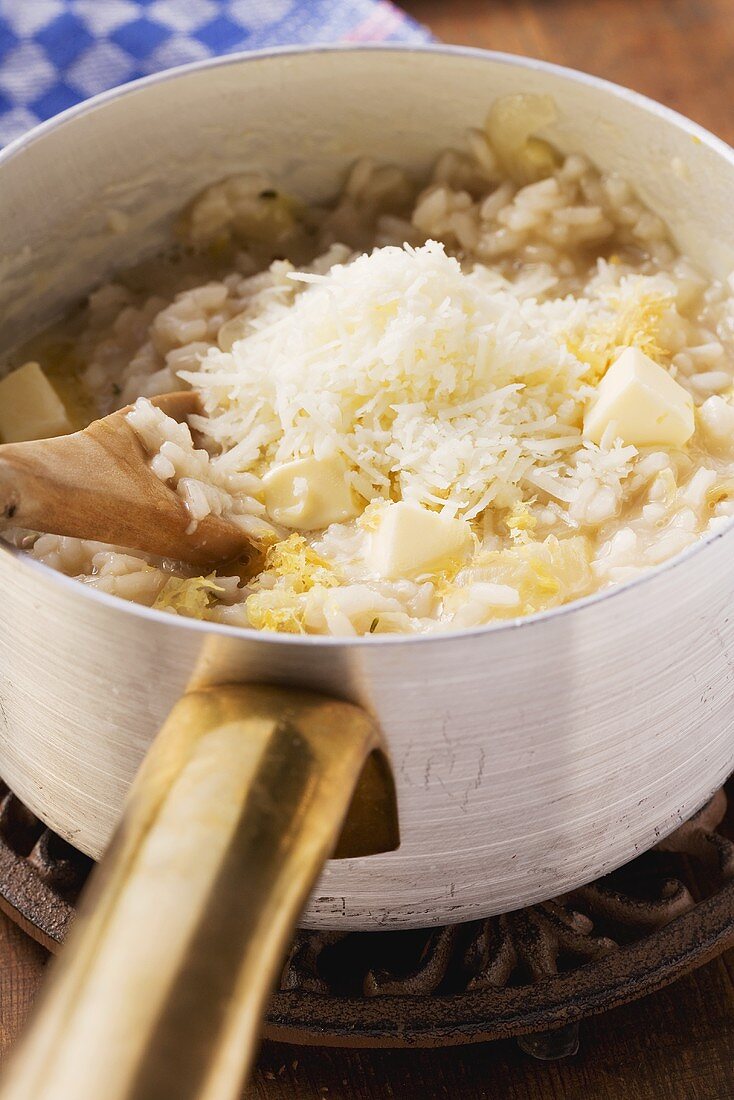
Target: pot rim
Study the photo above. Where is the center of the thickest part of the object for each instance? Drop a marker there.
(635, 99)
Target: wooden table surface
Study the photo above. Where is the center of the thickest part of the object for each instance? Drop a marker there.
(678, 1044)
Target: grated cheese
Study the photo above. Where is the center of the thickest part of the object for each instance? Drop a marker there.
(439, 386)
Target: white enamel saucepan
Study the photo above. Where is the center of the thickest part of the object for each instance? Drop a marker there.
(527, 758)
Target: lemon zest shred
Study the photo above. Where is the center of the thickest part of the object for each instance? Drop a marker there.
(520, 521)
(637, 323)
(547, 584)
(369, 520)
(263, 613)
(545, 573)
(444, 579)
(294, 561)
(292, 568)
(190, 596)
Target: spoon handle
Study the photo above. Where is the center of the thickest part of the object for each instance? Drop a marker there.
(97, 484)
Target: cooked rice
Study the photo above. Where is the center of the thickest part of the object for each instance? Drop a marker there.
(561, 265)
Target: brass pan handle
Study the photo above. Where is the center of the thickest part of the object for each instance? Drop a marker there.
(159, 993)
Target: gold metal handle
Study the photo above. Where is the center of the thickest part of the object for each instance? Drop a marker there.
(159, 993)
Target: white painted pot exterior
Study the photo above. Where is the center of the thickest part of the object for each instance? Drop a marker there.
(528, 757)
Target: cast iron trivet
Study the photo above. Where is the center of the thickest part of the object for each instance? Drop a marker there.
(527, 973)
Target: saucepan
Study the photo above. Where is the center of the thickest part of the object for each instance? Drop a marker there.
(492, 768)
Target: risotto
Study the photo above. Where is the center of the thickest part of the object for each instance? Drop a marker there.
(430, 405)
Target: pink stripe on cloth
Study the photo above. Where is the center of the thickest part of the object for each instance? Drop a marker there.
(378, 25)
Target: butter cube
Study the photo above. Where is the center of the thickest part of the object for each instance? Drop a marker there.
(410, 540)
(30, 408)
(310, 493)
(647, 407)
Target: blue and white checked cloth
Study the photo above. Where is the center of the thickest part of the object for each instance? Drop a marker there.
(54, 53)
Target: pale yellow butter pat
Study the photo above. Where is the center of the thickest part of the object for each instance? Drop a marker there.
(410, 540)
(643, 403)
(30, 407)
(310, 493)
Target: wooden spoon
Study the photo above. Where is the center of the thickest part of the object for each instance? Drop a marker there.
(97, 484)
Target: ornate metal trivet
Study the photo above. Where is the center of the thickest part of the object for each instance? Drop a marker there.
(532, 973)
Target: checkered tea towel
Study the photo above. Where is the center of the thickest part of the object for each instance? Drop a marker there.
(54, 53)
